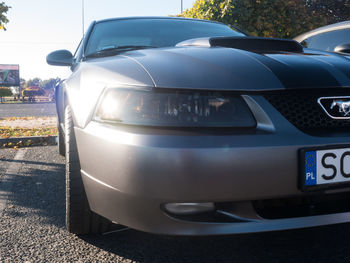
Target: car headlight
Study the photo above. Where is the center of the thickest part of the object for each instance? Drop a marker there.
(173, 109)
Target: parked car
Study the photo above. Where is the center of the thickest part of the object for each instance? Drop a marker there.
(190, 127)
(335, 37)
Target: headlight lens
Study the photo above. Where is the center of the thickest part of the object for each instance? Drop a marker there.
(173, 109)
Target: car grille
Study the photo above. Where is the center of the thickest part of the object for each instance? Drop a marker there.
(304, 112)
(310, 205)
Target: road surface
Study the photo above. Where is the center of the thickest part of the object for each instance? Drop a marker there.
(27, 109)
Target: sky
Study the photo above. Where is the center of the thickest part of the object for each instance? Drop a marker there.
(38, 27)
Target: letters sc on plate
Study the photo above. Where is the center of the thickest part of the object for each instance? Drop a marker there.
(324, 167)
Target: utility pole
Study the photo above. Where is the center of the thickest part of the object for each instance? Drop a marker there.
(83, 15)
(182, 6)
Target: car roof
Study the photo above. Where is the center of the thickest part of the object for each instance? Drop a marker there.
(328, 28)
(157, 17)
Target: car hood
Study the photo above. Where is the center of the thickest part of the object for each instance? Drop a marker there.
(221, 68)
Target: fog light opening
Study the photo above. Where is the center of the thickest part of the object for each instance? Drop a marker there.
(189, 208)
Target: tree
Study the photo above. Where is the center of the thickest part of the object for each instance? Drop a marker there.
(266, 18)
(3, 19)
(5, 92)
(335, 10)
(34, 82)
(49, 83)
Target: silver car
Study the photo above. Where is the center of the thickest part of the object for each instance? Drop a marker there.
(189, 127)
(334, 37)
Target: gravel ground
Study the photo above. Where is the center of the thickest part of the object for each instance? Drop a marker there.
(32, 229)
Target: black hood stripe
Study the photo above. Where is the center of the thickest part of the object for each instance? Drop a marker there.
(298, 71)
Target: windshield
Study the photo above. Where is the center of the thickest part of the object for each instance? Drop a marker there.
(152, 32)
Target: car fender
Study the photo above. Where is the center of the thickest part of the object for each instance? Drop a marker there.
(84, 87)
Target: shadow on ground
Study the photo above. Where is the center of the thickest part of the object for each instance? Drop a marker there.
(323, 244)
(41, 190)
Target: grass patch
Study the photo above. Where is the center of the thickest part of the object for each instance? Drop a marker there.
(20, 118)
(12, 102)
(9, 132)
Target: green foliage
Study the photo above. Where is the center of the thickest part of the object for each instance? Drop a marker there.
(5, 92)
(272, 18)
(3, 10)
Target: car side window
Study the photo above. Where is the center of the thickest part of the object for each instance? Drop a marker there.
(329, 40)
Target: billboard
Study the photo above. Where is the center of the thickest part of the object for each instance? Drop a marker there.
(9, 75)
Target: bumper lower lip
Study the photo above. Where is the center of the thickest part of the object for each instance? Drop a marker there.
(128, 176)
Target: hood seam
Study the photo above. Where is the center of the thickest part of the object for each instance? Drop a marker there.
(143, 67)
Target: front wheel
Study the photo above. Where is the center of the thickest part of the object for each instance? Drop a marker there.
(61, 143)
(79, 218)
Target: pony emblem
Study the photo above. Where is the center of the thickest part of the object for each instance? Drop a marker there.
(343, 107)
(337, 108)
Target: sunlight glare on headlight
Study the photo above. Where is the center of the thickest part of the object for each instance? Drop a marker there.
(112, 106)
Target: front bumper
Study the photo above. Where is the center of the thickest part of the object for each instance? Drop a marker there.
(130, 173)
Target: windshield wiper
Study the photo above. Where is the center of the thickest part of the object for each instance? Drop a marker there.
(111, 51)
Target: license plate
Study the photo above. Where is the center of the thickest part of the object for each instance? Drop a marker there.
(325, 167)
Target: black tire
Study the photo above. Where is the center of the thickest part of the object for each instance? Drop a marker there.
(61, 143)
(79, 218)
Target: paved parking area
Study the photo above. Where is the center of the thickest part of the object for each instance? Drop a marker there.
(32, 227)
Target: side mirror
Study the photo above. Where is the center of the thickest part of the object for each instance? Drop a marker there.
(60, 58)
(343, 48)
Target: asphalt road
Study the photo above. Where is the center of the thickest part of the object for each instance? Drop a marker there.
(27, 109)
(32, 227)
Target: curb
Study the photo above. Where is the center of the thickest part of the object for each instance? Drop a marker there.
(28, 141)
